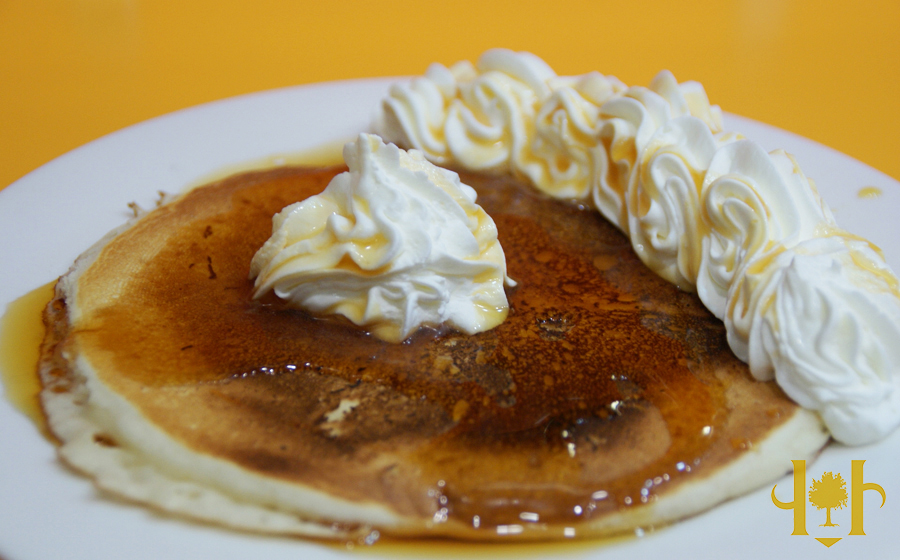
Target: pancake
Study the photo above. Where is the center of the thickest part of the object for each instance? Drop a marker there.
(608, 400)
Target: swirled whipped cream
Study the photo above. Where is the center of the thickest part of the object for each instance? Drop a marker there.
(393, 244)
(803, 302)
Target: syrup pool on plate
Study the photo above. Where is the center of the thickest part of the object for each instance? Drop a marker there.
(21, 332)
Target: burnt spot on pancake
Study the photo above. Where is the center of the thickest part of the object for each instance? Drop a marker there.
(105, 440)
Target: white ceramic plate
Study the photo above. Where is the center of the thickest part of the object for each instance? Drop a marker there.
(53, 214)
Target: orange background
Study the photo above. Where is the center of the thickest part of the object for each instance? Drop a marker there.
(74, 70)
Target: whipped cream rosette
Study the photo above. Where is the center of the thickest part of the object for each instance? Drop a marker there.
(803, 301)
(393, 244)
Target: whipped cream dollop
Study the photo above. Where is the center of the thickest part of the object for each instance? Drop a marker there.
(393, 244)
(803, 302)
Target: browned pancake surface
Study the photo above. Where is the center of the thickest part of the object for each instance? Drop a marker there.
(605, 387)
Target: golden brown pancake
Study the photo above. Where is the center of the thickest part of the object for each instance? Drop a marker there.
(607, 400)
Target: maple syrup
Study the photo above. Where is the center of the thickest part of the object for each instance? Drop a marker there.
(21, 332)
(602, 388)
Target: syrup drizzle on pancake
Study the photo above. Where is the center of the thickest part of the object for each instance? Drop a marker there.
(605, 386)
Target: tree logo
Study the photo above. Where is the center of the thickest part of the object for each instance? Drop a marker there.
(829, 492)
